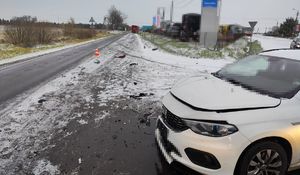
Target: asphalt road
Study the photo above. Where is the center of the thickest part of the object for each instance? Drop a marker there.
(19, 77)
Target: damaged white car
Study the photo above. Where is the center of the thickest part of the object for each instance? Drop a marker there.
(242, 120)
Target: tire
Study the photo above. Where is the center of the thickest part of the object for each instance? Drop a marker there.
(262, 157)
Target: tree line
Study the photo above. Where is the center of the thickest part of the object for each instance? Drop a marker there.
(27, 31)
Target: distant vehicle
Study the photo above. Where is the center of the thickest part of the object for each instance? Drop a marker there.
(190, 26)
(147, 28)
(295, 43)
(135, 29)
(164, 26)
(232, 32)
(174, 30)
(241, 120)
(247, 31)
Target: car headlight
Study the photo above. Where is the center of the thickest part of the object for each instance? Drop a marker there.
(211, 129)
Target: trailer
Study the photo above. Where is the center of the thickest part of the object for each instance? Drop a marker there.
(135, 29)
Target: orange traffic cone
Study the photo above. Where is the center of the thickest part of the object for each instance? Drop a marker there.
(97, 53)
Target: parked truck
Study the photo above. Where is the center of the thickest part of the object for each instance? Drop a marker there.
(190, 26)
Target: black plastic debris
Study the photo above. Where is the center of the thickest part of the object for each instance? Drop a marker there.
(41, 101)
(154, 49)
(140, 95)
(114, 137)
(135, 83)
(133, 64)
(145, 119)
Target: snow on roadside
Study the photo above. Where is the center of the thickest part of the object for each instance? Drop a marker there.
(204, 64)
(45, 167)
(32, 119)
(29, 125)
(268, 42)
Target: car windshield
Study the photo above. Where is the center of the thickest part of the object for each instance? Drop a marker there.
(273, 76)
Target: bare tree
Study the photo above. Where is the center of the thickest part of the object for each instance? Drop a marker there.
(115, 18)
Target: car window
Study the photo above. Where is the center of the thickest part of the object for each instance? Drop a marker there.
(252, 68)
(277, 77)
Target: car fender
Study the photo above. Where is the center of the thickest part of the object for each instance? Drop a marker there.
(287, 131)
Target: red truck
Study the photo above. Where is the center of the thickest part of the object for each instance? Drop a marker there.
(135, 29)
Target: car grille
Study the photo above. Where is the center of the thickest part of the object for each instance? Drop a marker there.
(172, 121)
(169, 147)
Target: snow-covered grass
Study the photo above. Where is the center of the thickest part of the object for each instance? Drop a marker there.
(236, 50)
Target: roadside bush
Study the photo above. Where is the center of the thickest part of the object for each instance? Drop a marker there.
(28, 34)
(84, 33)
(254, 48)
(20, 35)
(70, 30)
(43, 34)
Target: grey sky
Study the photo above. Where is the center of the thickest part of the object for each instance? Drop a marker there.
(140, 12)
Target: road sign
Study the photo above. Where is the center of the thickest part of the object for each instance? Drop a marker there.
(252, 24)
(210, 3)
(92, 20)
(297, 28)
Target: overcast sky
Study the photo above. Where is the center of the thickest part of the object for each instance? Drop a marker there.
(266, 12)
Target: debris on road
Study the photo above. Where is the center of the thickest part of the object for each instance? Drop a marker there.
(113, 99)
(41, 101)
(133, 64)
(121, 54)
(97, 61)
(140, 95)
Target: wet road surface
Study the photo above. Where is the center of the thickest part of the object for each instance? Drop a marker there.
(19, 77)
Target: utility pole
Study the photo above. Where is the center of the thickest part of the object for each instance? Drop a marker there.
(172, 11)
(297, 14)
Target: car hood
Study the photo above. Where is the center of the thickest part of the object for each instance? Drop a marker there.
(211, 93)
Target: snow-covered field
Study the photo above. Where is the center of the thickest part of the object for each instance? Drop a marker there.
(269, 42)
(30, 122)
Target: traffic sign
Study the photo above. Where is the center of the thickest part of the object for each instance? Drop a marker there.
(252, 24)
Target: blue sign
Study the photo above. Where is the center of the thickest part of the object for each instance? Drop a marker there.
(210, 3)
(154, 21)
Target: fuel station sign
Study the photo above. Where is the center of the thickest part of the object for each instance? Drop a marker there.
(210, 3)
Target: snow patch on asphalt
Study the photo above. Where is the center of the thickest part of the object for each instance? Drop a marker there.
(45, 167)
(82, 122)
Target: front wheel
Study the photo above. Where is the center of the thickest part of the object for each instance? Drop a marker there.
(266, 158)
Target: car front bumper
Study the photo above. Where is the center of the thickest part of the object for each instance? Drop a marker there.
(226, 150)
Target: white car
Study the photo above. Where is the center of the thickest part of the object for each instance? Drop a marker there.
(295, 44)
(241, 120)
